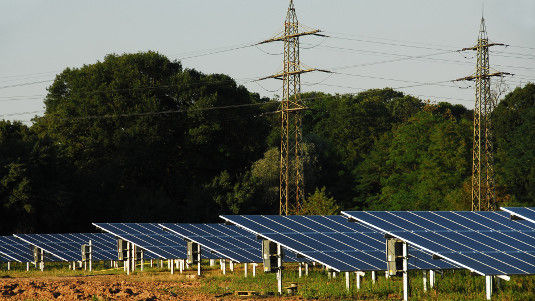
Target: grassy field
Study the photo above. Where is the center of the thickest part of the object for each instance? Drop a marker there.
(450, 285)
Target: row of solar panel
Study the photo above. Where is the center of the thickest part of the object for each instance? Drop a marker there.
(488, 243)
(218, 240)
(485, 242)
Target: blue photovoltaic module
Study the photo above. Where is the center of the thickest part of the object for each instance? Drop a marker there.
(330, 240)
(68, 247)
(488, 243)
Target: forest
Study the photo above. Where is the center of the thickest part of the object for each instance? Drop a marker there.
(139, 138)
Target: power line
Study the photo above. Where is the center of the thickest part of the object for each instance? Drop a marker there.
(404, 43)
(27, 84)
(410, 57)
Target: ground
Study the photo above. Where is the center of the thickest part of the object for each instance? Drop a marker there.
(57, 282)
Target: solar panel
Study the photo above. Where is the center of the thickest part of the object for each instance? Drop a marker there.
(329, 240)
(67, 247)
(226, 240)
(13, 249)
(150, 237)
(488, 243)
(525, 213)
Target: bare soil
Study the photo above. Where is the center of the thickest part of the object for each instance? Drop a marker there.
(105, 287)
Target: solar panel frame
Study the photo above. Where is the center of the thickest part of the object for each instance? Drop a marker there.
(131, 232)
(300, 241)
(67, 246)
(455, 235)
(14, 249)
(526, 213)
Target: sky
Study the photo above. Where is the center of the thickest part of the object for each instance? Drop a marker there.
(371, 44)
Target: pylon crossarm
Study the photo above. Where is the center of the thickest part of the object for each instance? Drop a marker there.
(282, 74)
(483, 76)
(483, 46)
(291, 110)
(295, 35)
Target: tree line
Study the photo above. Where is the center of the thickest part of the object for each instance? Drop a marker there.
(137, 137)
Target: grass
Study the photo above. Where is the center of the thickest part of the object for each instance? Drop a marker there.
(450, 285)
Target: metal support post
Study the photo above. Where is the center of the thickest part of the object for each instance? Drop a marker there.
(387, 275)
(424, 279)
(128, 261)
(90, 256)
(212, 262)
(198, 260)
(306, 268)
(488, 287)
(279, 269)
(27, 266)
(133, 257)
(254, 269)
(245, 269)
(405, 272)
(334, 274)
(142, 261)
(9, 266)
(348, 287)
(231, 266)
(373, 277)
(42, 263)
(300, 270)
(151, 263)
(358, 274)
(181, 264)
(171, 267)
(431, 279)
(224, 266)
(161, 263)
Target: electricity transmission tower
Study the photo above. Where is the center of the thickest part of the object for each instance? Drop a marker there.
(483, 185)
(291, 185)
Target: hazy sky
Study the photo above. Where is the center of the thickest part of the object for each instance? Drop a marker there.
(39, 38)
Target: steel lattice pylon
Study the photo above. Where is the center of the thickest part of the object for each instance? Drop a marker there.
(291, 185)
(483, 185)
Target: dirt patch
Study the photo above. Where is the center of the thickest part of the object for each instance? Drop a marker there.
(101, 287)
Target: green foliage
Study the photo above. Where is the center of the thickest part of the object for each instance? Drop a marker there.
(418, 165)
(32, 181)
(514, 123)
(320, 203)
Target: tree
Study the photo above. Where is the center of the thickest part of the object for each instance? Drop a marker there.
(320, 203)
(514, 125)
(146, 137)
(33, 179)
(418, 166)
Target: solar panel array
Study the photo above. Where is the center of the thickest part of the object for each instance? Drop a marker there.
(329, 240)
(488, 243)
(14, 249)
(526, 213)
(152, 238)
(67, 247)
